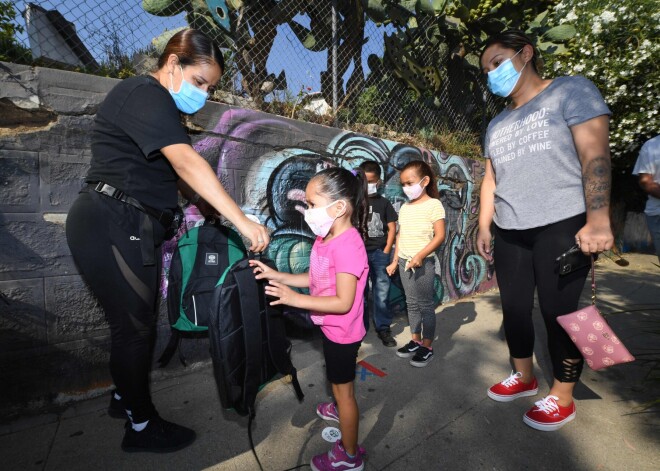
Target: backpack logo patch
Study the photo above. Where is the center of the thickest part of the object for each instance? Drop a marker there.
(211, 259)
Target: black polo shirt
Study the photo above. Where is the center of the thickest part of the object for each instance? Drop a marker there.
(135, 121)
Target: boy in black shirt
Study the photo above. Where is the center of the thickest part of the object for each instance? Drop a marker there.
(381, 224)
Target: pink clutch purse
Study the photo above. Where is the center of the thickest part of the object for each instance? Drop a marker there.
(593, 336)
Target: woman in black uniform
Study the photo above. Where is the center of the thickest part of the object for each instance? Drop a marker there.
(141, 157)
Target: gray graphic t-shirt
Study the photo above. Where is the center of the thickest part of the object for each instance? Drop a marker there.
(538, 174)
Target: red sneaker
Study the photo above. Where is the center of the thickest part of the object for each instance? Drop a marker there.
(547, 415)
(512, 388)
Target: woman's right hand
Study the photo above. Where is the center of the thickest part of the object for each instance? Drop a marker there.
(255, 232)
(391, 268)
(484, 240)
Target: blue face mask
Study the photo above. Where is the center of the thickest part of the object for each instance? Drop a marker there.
(503, 80)
(189, 99)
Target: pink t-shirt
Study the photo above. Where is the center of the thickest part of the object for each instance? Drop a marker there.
(342, 254)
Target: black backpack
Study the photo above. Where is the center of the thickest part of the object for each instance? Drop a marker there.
(249, 346)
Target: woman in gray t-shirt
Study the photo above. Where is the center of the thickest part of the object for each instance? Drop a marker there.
(546, 187)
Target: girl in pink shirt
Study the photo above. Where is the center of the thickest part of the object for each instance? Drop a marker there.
(338, 272)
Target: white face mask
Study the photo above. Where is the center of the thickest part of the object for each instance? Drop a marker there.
(319, 221)
(372, 188)
(414, 191)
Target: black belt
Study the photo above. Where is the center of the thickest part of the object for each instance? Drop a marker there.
(163, 217)
(147, 242)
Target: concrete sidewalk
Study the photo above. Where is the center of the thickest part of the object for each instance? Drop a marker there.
(431, 418)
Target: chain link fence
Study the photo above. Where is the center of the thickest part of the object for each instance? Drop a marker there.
(334, 62)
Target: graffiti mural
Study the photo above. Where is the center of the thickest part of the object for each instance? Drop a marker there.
(265, 162)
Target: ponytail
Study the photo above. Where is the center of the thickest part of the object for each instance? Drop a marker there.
(338, 183)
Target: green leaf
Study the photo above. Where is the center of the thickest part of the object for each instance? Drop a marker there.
(431, 7)
(551, 48)
(560, 33)
(375, 10)
(462, 13)
(163, 7)
(471, 4)
(306, 37)
(398, 13)
(541, 18)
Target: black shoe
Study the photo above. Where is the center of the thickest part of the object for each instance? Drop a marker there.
(159, 436)
(116, 409)
(386, 337)
(422, 357)
(408, 350)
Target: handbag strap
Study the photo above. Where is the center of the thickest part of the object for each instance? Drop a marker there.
(593, 281)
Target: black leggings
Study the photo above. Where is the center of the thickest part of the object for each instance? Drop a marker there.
(524, 260)
(104, 238)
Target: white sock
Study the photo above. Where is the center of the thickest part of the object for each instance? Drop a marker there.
(117, 396)
(139, 427)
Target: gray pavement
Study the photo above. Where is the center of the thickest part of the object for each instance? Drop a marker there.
(432, 418)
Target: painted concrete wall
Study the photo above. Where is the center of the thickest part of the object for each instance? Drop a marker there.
(54, 341)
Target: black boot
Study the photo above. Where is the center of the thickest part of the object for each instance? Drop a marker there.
(386, 337)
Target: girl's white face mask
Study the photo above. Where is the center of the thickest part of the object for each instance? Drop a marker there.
(414, 191)
(318, 219)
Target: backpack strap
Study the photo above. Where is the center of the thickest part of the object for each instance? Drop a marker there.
(173, 345)
(249, 300)
(296, 384)
(283, 364)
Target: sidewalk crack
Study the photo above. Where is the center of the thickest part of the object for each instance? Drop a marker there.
(51, 444)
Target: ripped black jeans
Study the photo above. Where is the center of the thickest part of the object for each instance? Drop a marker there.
(525, 261)
(104, 238)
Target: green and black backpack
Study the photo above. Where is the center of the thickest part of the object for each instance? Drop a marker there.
(201, 260)
(212, 288)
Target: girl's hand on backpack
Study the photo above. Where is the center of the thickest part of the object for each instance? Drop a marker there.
(283, 293)
(391, 268)
(262, 271)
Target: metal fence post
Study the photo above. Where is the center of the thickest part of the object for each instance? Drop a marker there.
(334, 61)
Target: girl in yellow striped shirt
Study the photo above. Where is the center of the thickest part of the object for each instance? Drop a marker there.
(421, 231)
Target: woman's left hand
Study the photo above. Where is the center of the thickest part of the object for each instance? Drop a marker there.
(282, 292)
(594, 238)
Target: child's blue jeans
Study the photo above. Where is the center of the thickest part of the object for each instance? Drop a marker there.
(380, 289)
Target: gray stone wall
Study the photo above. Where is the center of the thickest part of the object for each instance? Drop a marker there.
(54, 341)
(53, 337)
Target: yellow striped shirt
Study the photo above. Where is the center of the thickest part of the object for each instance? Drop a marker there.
(416, 226)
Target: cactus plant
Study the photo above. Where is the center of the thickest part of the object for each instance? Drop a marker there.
(433, 50)
(436, 44)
